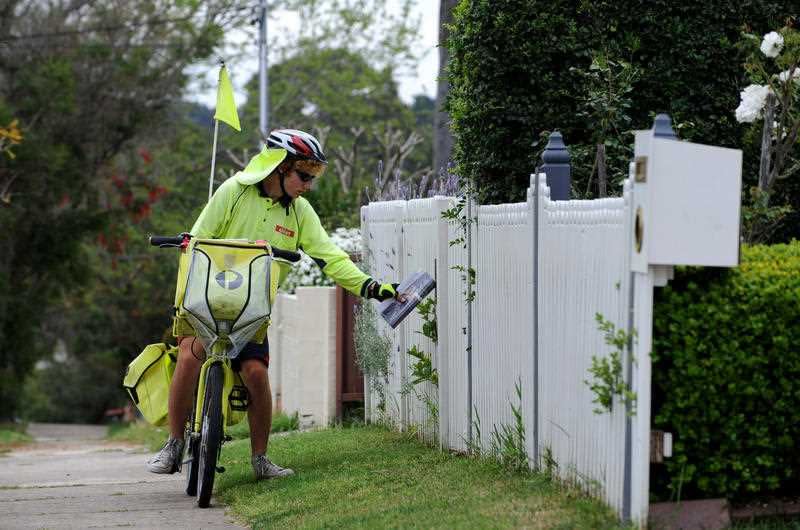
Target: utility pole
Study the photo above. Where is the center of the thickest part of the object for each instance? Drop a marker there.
(263, 87)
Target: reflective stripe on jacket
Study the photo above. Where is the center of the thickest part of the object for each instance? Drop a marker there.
(239, 211)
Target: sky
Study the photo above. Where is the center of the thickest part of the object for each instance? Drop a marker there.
(423, 81)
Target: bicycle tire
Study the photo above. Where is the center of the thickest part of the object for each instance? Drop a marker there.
(190, 459)
(211, 437)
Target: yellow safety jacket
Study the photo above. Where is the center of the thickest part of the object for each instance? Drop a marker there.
(241, 211)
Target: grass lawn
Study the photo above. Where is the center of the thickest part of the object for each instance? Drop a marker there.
(369, 477)
(280, 423)
(154, 437)
(12, 435)
(139, 432)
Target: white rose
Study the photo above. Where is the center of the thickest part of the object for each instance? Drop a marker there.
(772, 44)
(745, 115)
(752, 103)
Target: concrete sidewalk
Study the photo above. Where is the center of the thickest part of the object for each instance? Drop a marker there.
(72, 478)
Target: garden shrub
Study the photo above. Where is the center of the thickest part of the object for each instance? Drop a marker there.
(510, 75)
(726, 377)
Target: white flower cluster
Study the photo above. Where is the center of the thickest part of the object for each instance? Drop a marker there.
(307, 273)
(752, 103)
(754, 97)
(772, 44)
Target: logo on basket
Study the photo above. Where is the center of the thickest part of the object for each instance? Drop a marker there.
(283, 230)
(229, 279)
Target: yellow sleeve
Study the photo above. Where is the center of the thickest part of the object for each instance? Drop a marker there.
(334, 262)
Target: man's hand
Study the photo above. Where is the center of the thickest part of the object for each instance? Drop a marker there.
(381, 291)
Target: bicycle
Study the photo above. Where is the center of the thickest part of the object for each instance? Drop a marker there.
(224, 295)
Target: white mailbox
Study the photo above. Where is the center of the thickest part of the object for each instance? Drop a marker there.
(686, 203)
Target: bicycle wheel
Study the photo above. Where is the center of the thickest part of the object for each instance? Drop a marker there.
(190, 458)
(211, 434)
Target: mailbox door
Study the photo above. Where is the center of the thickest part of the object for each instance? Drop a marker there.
(687, 201)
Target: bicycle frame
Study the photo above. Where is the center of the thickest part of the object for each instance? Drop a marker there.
(216, 357)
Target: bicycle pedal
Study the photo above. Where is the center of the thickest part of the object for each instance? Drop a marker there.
(220, 469)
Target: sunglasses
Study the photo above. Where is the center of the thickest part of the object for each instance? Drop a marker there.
(305, 177)
(308, 169)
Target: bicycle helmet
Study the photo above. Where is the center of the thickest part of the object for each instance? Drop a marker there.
(297, 143)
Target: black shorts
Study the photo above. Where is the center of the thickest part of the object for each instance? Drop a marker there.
(252, 350)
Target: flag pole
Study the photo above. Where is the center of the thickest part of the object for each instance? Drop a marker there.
(213, 161)
(216, 133)
(226, 111)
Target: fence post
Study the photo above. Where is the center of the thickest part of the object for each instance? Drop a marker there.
(441, 273)
(534, 217)
(469, 293)
(638, 374)
(365, 253)
(400, 337)
(557, 167)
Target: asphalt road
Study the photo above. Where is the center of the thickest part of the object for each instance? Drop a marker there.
(72, 478)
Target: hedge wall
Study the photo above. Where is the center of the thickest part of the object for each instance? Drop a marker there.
(726, 377)
(510, 73)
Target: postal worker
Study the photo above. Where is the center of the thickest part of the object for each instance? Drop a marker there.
(262, 202)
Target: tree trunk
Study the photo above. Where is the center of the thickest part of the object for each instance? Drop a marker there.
(442, 137)
(601, 170)
(766, 144)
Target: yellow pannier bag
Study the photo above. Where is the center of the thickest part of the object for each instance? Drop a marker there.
(147, 381)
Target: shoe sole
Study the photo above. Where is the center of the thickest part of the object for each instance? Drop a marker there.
(162, 471)
(274, 476)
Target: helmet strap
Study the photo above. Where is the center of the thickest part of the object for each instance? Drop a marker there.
(285, 199)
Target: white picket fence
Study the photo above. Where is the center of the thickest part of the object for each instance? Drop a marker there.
(543, 269)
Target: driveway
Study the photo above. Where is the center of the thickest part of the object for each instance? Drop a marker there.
(73, 478)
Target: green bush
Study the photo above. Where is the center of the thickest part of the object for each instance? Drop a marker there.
(726, 377)
(511, 80)
(78, 390)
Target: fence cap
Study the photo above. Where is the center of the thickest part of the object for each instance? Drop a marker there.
(556, 151)
(662, 127)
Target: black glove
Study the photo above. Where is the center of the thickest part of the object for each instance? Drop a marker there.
(381, 291)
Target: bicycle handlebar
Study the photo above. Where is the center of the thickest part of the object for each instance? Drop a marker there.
(287, 255)
(166, 241)
(177, 241)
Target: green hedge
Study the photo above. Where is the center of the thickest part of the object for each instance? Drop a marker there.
(726, 377)
(510, 75)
